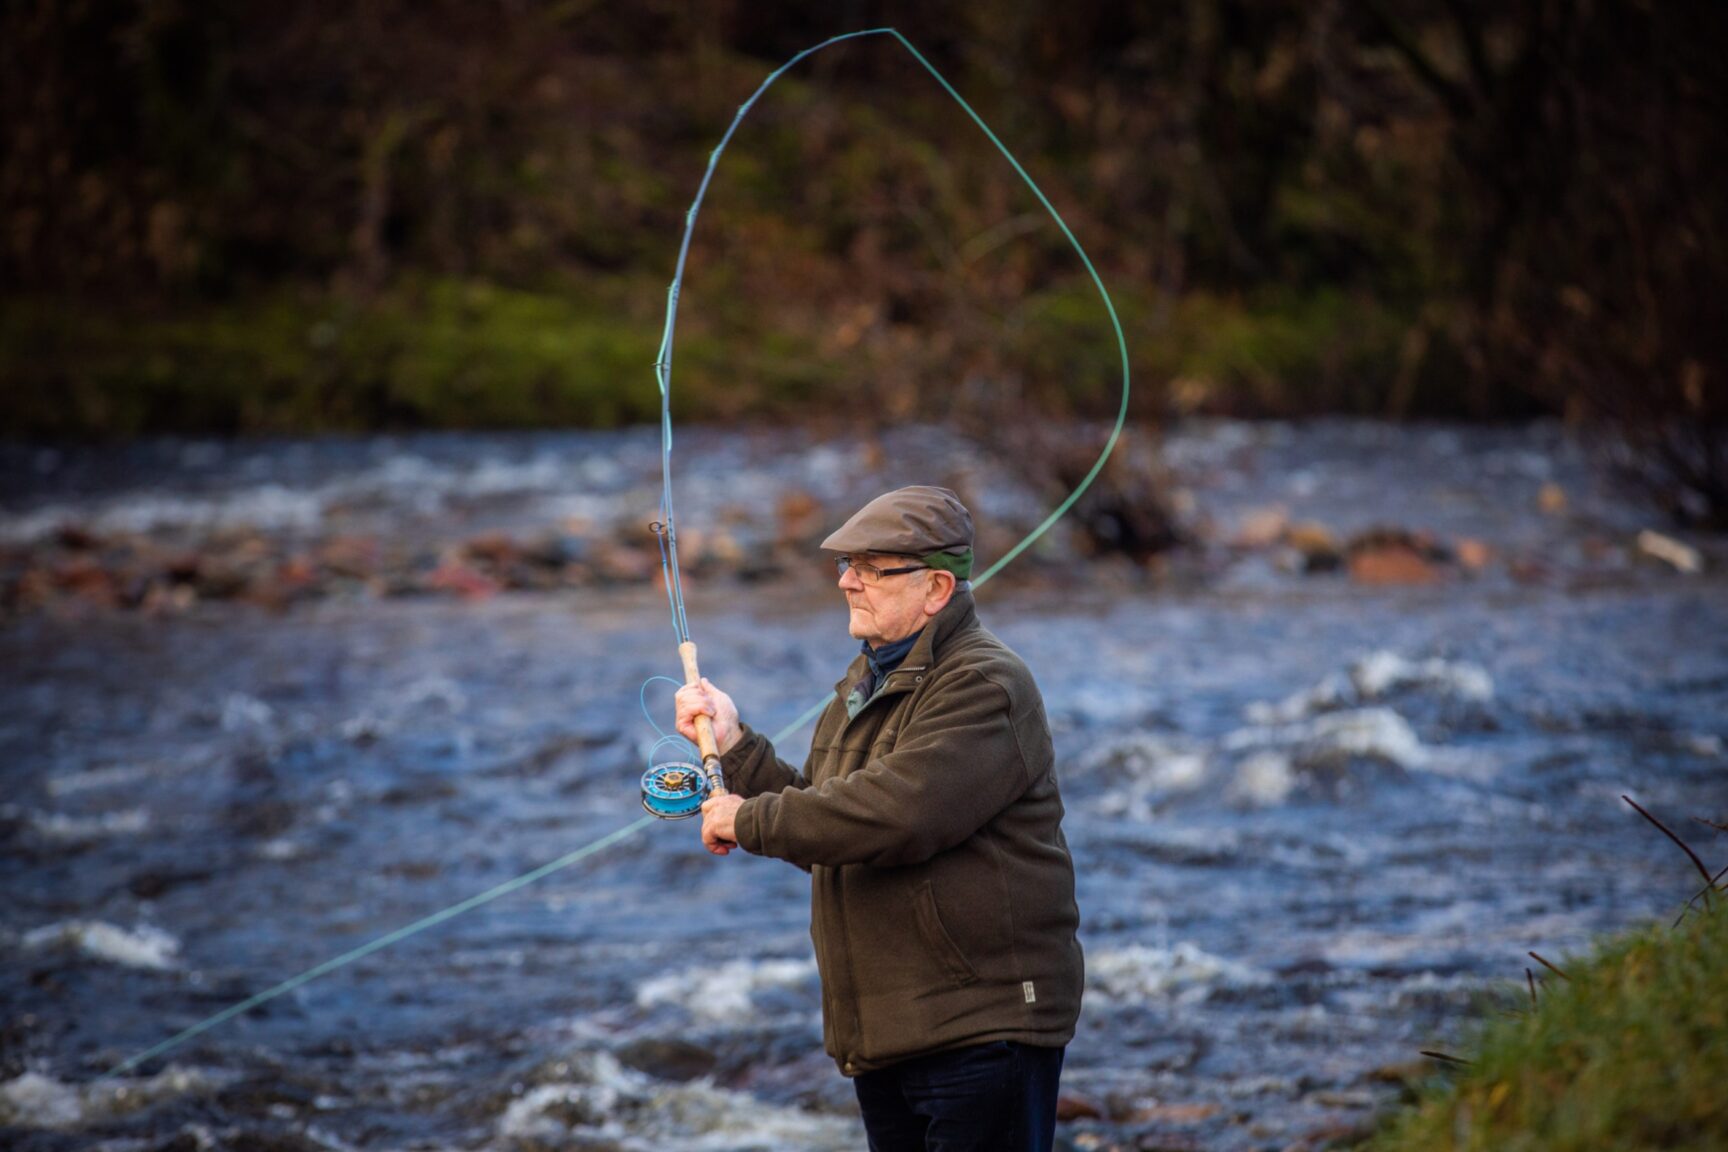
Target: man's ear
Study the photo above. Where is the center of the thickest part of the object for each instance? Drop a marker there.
(939, 591)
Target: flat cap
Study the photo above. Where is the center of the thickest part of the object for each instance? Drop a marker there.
(913, 521)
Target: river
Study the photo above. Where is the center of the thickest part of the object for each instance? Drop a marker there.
(1318, 823)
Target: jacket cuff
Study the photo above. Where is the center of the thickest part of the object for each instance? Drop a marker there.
(740, 752)
(747, 824)
(736, 765)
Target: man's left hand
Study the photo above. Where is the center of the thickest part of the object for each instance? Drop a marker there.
(718, 814)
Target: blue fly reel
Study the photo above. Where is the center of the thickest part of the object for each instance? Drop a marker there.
(674, 791)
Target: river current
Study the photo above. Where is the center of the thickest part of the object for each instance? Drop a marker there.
(1317, 823)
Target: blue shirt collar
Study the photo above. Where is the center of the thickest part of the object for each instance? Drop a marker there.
(885, 659)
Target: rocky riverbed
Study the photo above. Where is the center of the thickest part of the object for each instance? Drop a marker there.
(1332, 768)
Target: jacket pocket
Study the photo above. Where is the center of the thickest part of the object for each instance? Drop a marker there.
(937, 940)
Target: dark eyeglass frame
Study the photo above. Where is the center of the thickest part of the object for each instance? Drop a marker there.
(870, 573)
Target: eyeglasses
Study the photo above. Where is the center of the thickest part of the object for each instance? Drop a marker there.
(869, 573)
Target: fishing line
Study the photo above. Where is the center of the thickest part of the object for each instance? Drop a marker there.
(381, 943)
(664, 529)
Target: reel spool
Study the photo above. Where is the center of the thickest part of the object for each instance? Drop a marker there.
(674, 791)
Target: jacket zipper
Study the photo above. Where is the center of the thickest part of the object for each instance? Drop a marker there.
(855, 1040)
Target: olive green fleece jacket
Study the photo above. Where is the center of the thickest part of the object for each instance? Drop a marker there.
(941, 890)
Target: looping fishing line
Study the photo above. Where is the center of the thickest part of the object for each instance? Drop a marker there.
(665, 531)
(689, 750)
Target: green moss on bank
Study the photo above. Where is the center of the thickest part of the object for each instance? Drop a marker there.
(436, 354)
(1630, 1055)
(442, 353)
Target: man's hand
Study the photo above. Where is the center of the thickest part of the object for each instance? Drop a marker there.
(706, 700)
(719, 833)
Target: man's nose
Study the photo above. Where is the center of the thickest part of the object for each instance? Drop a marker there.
(849, 581)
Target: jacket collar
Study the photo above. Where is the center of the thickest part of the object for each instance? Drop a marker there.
(958, 615)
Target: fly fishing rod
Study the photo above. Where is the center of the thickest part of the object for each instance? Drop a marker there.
(677, 789)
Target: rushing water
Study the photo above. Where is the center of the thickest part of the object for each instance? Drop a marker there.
(1313, 821)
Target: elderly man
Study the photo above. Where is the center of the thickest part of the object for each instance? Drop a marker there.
(942, 892)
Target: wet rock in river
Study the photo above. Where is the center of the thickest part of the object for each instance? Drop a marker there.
(1395, 556)
(1176, 1113)
(1157, 763)
(62, 828)
(1315, 546)
(1336, 752)
(34, 1100)
(668, 1059)
(1073, 1106)
(728, 993)
(1138, 974)
(224, 577)
(1381, 675)
(87, 580)
(76, 538)
(596, 1102)
(358, 557)
(494, 549)
(142, 947)
(463, 580)
(1473, 554)
(153, 884)
(1261, 527)
(1263, 780)
(1678, 556)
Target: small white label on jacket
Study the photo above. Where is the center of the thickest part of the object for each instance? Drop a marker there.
(1031, 992)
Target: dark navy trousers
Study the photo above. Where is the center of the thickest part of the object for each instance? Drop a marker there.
(997, 1097)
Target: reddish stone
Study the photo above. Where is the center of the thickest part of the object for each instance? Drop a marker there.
(1074, 1107)
(466, 582)
(297, 572)
(355, 556)
(1177, 1113)
(88, 581)
(495, 548)
(1391, 564)
(74, 538)
(1395, 556)
(1474, 554)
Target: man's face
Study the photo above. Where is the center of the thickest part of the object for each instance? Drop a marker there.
(890, 609)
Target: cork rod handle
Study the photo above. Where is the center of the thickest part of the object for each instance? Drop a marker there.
(704, 725)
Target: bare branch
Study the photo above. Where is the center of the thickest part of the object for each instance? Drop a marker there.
(1704, 892)
(1445, 1058)
(1693, 856)
(1534, 956)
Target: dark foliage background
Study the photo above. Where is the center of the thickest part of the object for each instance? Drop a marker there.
(338, 215)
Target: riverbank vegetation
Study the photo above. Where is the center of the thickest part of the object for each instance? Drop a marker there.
(1623, 1052)
(338, 216)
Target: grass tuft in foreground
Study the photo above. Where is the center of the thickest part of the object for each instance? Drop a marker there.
(1629, 1052)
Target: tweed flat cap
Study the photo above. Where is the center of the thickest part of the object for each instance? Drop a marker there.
(913, 521)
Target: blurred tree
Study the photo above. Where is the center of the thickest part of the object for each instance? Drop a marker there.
(1446, 207)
